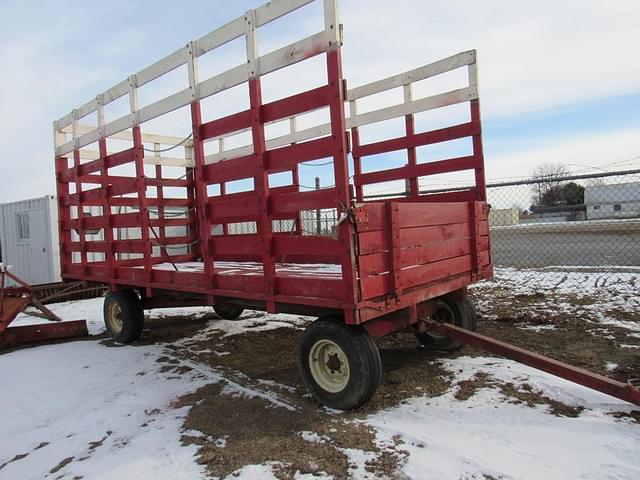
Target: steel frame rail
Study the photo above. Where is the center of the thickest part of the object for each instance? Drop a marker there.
(623, 391)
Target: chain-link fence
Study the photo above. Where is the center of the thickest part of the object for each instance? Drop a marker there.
(571, 220)
(555, 220)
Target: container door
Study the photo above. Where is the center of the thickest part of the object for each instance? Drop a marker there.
(32, 259)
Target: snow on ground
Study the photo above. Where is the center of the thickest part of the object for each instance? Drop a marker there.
(594, 292)
(84, 409)
(105, 411)
(486, 436)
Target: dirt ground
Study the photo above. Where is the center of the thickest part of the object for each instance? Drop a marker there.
(253, 428)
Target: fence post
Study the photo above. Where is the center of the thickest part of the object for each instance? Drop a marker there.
(318, 213)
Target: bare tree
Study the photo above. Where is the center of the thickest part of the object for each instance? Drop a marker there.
(549, 190)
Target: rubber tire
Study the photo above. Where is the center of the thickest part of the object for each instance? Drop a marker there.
(362, 354)
(132, 315)
(464, 316)
(228, 311)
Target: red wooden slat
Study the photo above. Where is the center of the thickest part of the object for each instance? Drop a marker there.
(113, 160)
(290, 106)
(421, 214)
(378, 285)
(373, 216)
(286, 158)
(305, 245)
(376, 241)
(223, 210)
(419, 139)
(238, 168)
(420, 170)
(310, 287)
(167, 182)
(282, 203)
(427, 253)
(236, 244)
(224, 125)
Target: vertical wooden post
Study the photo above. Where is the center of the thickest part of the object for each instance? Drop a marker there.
(261, 180)
(204, 229)
(141, 187)
(80, 209)
(64, 234)
(341, 172)
(357, 159)
(413, 187)
(474, 105)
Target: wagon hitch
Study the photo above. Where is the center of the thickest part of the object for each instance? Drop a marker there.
(14, 300)
(623, 391)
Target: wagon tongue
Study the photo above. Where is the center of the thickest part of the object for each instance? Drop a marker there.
(14, 300)
(623, 391)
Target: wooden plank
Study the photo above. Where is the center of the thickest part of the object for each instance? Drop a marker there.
(236, 245)
(416, 140)
(377, 263)
(242, 167)
(426, 214)
(379, 285)
(375, 241)
(230, 123)
(306, 245)
(293, 53)
(223, 210)
(282, 203)
(452, 97)
(308, 101)
(287, 158)
(436, 68)
(316, 287)
(422, 169)
(372, 216)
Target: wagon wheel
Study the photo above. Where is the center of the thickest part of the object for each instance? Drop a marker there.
(228, 311)
(123, 316)
(339, 364)
(461, 313)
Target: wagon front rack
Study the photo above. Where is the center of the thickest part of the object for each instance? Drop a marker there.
(14, 300)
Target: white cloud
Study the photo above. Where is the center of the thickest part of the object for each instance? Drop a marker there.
(533, 55)
(585, 153)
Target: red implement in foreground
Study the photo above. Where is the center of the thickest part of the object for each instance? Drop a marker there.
(228, 219)
(14, 300)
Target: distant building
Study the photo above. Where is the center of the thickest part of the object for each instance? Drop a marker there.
(499, 217)
(620, 200)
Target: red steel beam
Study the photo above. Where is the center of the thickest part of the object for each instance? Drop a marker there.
(583, 377)
(15, 336)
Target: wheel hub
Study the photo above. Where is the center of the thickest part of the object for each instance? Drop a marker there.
(329, 366)
(115, 317)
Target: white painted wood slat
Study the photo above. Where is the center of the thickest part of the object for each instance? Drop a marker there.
(420, 73)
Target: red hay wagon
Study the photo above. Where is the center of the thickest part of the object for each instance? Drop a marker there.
(175, 230)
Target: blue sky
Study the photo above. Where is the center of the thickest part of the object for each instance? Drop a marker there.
(557, 81)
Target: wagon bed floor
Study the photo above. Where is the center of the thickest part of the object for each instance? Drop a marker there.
(324, 270)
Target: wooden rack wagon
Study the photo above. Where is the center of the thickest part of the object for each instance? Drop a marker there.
(384, 266)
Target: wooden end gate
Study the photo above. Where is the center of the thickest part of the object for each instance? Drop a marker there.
(175, 230)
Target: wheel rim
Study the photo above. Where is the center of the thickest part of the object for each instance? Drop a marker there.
(329, 366)
(114, 318)
(443, 314)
